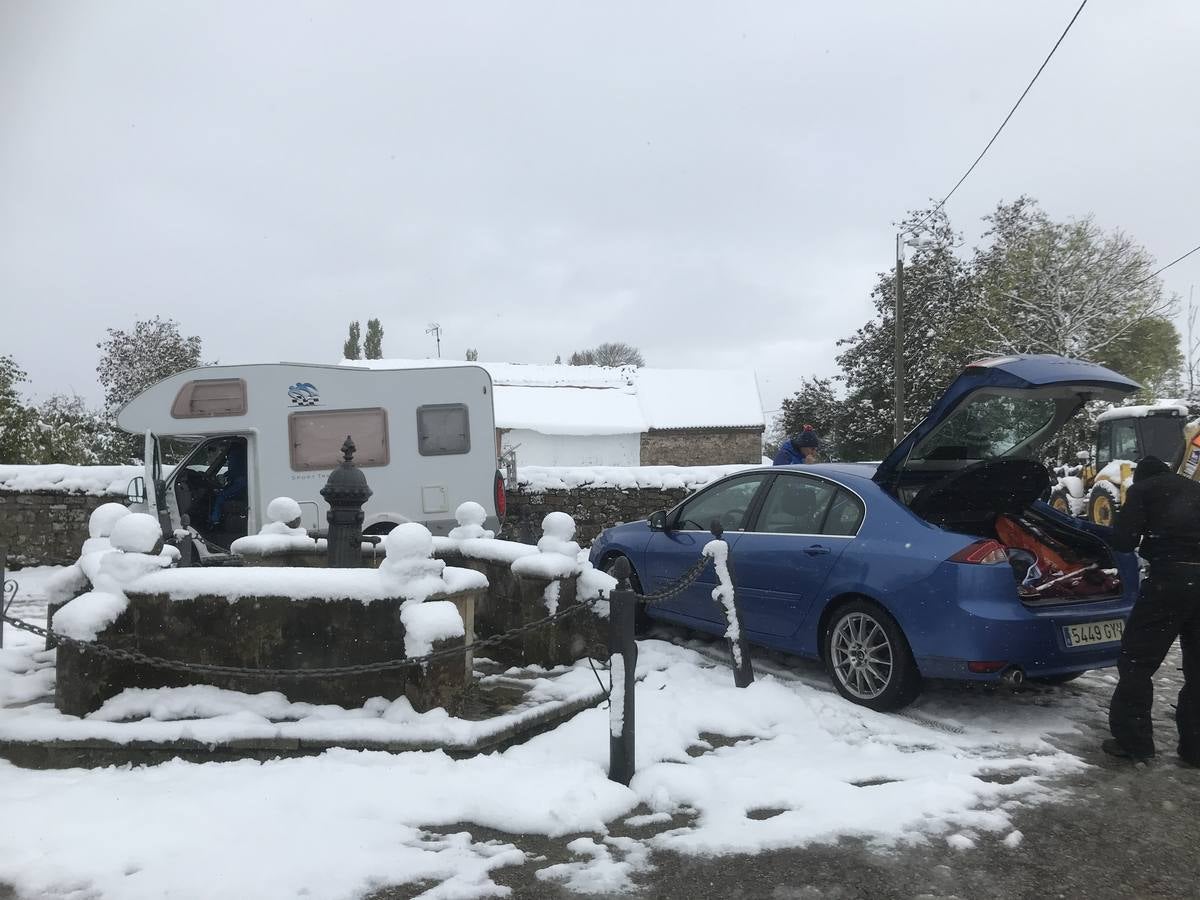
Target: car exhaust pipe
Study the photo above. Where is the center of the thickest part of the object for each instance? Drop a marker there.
(1013, 677)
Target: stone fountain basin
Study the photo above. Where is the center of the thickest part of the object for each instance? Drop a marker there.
(278, 618)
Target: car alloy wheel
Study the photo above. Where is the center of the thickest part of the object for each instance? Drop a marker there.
(861, 655)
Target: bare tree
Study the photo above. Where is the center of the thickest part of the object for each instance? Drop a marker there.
(608, 354)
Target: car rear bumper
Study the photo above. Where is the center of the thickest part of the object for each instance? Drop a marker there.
(989, 624)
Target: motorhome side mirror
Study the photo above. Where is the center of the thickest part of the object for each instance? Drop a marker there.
(658, 520)
(136, 492)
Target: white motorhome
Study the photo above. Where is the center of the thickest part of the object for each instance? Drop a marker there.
(425, 439)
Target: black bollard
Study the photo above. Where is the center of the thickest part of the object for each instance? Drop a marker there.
(345, 492)
(622, 655)
(743, 667)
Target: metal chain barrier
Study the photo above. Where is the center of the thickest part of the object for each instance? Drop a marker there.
(685, 581)
(136, 656)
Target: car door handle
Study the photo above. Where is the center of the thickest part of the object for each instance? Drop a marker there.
(816, 550)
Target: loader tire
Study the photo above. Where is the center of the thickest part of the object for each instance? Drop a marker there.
(1060, 499)
(1104, 499)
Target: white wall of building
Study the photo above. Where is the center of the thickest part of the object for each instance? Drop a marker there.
(537, 449)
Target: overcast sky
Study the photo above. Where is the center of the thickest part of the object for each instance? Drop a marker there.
(713, 182)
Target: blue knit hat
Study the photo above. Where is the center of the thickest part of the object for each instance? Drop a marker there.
(806, 438)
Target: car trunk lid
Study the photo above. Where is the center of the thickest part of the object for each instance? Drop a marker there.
(999, 408)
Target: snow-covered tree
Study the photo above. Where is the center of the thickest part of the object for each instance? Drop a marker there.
(352, 348)
(69, 431)
(938, 336)
(608, 354)
(373, 343)
(18, 422)
(1067, 288)
(472, 355)
(131, 361)
(815, 404)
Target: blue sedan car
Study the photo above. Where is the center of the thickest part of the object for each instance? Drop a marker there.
(941, 562)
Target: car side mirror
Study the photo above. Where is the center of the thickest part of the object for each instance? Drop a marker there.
(136, 492)
(657, 520)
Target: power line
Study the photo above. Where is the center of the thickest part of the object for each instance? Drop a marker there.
(1036, 74)
(1168, 265)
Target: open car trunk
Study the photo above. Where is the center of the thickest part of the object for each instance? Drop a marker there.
(1051, 562)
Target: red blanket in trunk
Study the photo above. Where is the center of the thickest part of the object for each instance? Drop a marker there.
(1052, 556)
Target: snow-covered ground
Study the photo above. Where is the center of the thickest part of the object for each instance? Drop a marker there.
(783, 763)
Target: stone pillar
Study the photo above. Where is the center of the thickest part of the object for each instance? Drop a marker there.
(346, 492)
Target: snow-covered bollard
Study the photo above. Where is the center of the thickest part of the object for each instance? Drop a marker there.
(101, 522)
(411, 572)
(280, 538)
(558, 529)
(136, 550)
(470, 517)
(622, 666)
(284, 516)
(718, 551)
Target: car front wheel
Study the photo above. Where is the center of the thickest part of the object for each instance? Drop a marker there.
(868, 658)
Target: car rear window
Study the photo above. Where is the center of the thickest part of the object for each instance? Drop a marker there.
(845, 515)
(987, 426)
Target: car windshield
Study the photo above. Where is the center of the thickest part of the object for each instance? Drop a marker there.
(987, 426)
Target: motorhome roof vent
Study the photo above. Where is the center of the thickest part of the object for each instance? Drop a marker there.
(207, 397)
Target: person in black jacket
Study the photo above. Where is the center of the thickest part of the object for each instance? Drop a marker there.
(1161, 514)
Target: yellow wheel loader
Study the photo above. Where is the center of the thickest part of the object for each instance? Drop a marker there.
(1095, 489)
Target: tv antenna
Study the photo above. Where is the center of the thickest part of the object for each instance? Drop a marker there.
(436, 330)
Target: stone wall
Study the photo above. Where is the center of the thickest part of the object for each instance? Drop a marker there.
(45, 527)
(702, 447)
(593, 509)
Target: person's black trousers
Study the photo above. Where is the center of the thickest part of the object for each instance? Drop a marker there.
(1169, 607)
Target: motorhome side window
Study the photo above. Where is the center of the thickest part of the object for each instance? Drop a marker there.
(443, 429)
(207, 397)
(316, 437)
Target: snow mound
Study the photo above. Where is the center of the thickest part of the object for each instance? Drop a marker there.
(284, 510)
(470, 517)
(408, 540)
(104, 517)
(89, 614)
(136, 533)
(425, 623)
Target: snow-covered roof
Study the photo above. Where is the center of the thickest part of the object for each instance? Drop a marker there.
(1158, 407)
(585, 400)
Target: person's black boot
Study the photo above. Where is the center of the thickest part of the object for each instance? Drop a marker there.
(1114, 749)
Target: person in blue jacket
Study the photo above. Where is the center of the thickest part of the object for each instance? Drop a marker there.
(799, 448)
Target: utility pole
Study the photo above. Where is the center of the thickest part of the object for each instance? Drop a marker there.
(898, 421)
(436, 330)
(1191, 342)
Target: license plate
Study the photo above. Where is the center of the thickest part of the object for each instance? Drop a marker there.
(1106, 632)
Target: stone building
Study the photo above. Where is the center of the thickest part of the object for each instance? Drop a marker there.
(558, 415)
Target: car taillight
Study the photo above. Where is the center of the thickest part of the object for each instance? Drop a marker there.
(501, 500)
(981, 553)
